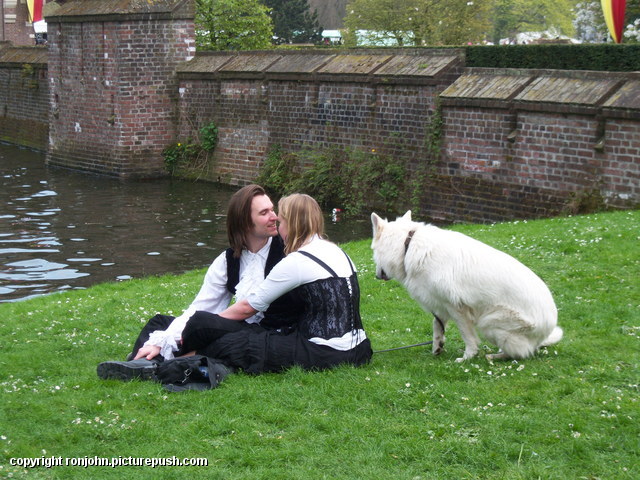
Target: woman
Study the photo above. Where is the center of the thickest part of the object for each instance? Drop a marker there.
(321, 277)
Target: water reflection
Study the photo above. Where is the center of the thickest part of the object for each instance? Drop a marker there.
(64, 230)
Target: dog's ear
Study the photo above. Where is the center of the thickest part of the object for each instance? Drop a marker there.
(376, 222)
(407, 216)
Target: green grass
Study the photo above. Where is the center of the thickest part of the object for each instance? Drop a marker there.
(571, 412)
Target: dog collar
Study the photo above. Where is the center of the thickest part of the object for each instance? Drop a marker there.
(408, 240)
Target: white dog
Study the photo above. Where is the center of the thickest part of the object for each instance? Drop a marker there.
(456, 277)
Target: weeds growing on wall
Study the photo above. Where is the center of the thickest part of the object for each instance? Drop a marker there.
(358, 180)
(177, 154)
(209, 137)
(349, 179)
(426, 170)
(586, 201)
(191, 155)
(28, 73)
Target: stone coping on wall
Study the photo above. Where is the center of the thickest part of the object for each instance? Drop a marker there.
(72, 11)
(388, 66)
(625, 101)
(614, 94)
(13, 56)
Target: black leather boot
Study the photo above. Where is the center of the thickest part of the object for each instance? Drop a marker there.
(142, 368)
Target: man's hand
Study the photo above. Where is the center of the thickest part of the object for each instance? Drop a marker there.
(148, 352)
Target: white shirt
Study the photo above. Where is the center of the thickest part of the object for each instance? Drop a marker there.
(214, 297)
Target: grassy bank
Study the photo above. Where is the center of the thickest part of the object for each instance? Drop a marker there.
(572, 411)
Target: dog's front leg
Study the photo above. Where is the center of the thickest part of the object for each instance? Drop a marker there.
(438, 335)
(469, 337)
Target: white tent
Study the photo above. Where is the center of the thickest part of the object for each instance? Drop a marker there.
(40, 26)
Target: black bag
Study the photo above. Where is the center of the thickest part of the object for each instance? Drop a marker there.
(195, 372)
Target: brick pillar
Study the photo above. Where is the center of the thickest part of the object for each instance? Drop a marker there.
(113, 88)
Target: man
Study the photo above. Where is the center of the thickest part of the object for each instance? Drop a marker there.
(255, 248)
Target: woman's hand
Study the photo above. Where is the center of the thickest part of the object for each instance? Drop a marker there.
(148, 352)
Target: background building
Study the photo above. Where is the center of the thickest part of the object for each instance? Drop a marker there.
(17, 26)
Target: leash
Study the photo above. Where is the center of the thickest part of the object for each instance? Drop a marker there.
(406, 346)
(415, 344)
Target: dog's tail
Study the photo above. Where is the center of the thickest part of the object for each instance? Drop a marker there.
(554, 337)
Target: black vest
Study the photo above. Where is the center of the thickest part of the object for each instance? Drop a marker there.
(284, 311)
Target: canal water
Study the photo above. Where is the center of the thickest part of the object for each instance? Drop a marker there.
(62, 230)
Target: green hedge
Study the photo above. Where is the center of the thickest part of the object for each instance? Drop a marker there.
(605, 57)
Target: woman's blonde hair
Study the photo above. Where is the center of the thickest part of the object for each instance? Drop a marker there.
(304, 219)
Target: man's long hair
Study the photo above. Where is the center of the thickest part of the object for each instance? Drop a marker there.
(239, 222)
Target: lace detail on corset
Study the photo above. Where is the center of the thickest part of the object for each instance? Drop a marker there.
(331, 308)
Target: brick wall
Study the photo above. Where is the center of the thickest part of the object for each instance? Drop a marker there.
(24, 96)
(621, 166)
(381, 101)
(514, 143)
(550, 141)
(112, 84)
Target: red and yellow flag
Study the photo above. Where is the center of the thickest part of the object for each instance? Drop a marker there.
(35, 10)
(614, 16)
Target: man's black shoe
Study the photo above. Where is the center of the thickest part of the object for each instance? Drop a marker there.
(142, 368)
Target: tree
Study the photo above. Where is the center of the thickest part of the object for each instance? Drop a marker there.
(589, 22)
(516, 16)
(416, 22)
(293, 22)
(462, 22)
(232, 25)
(384, 22)
(632, 32)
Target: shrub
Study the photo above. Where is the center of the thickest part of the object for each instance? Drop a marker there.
(209, 137)
(182, 154)
(353, 180)
(176, 154)
(603, 57)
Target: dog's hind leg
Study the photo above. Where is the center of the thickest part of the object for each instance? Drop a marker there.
(510, 331)
(496, 356)
(514, 346)
(438, 335)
